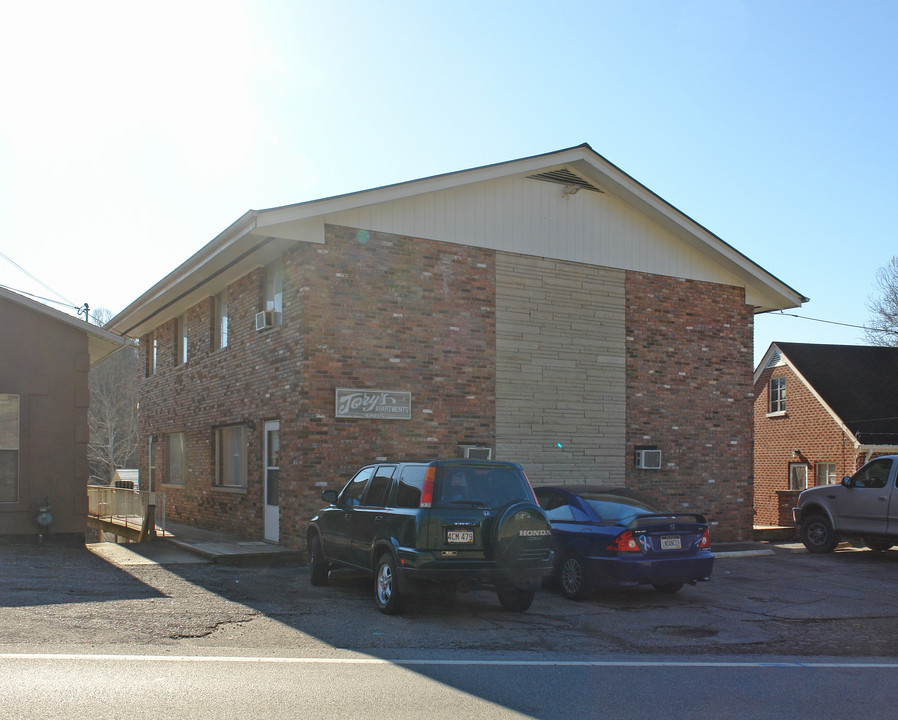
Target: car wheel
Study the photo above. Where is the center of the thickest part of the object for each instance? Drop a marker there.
(514, 599)
(386, 586)
(317, 562)
(667, 588)
(817, 534)
(878, 544)
(572, 577)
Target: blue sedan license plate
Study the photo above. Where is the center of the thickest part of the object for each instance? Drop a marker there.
(671, 542)
(459, 536)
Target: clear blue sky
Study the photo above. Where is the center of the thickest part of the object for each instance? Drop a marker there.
(134, 133)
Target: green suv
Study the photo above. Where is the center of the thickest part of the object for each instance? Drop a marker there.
(465, 523)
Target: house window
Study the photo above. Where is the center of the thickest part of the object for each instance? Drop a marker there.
(798, 476)
(825, 474)
(274, 292)
(176, 458)
(230, 456)
(220, 329)
(778, 395)
(9, 448)
(181, 340)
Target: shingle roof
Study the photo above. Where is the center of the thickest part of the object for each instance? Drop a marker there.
(859, 383)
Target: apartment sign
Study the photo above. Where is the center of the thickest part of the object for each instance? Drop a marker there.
(374, 404)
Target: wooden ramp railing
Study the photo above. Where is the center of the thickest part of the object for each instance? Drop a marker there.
(131, 514)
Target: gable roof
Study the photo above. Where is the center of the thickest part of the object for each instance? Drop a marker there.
(858, 383)
(414, 209)
(100, 342)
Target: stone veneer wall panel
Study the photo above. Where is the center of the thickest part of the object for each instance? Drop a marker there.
(560, 369)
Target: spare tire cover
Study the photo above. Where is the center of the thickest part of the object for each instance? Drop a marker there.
(521, 535)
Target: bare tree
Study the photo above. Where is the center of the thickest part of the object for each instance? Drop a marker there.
(882, 329)
(112, 417)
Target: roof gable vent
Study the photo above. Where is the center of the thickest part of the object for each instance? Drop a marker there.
(563, 176)
(775, 359)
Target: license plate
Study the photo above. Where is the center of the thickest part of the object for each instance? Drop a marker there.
(670, 542)
(459, 536)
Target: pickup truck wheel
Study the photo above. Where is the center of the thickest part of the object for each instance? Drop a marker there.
(318, 563)
(514, 599)
(817, 534)
(386, 586)
(878, 544)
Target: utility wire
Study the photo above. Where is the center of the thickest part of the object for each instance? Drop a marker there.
(43, 285)
(833, 322)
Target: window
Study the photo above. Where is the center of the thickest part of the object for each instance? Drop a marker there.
(151, 464)
(274, 292)
(352, 493)
(380, 486)
(9, 448)
(556, 507)
(798, 476)
(230, 456)
(875, 474)
(152, 350)
(408, 494)
(778, 395)
(181, 340)
(176, 458)
(220, 329)
(825, 474)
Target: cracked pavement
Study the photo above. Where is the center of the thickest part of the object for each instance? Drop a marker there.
(55, 599)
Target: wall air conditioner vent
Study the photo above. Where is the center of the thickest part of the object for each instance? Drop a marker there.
(264, 319)
(648, 459)
(476, 452)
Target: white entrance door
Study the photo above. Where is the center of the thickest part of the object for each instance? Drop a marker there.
(272, 481)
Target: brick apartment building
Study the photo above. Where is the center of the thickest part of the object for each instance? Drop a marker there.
(821, 412)
(549, 310)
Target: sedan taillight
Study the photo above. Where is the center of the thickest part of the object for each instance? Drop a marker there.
(625, 542)
(704, 541)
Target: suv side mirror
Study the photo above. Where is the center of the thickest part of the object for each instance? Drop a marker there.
(846, 482)
(329, 496)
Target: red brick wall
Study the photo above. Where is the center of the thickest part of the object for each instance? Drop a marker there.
(689, 394)
(806, 426)
(365, 310)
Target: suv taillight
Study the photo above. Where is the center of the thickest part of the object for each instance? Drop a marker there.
(530, 485)
(427, 490)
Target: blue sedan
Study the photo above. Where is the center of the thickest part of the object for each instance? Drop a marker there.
(615, 537)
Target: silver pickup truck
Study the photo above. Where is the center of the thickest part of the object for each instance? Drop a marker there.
(860, 507)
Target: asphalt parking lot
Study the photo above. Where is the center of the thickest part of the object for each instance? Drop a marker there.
(787, 602)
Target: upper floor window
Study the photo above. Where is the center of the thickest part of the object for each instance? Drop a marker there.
(176, 458)
(9, 448)
(220, 328)
(181, 340)
(778, 395)
(152, 352)
(230, 456)
(274, 292)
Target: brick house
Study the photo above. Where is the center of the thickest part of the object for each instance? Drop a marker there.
(549, 310)
(45, 356)
(821, 411)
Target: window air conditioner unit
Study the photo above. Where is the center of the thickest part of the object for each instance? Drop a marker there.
(477, 452)
(264, 319)
(648, 459)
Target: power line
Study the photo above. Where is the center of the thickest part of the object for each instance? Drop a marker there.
(833, 322)
(42, 284)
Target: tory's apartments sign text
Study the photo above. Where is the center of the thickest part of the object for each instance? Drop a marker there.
(374, 404)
